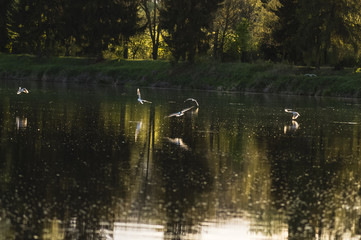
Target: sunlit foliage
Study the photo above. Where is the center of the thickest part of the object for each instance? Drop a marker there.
(312, 33)
(319, 32)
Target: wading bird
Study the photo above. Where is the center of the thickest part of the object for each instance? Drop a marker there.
(181, 113)
(295, 115)
(22, 90)
(192, 99)
(140, 99)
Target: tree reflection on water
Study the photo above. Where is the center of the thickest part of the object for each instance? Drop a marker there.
(95, 164)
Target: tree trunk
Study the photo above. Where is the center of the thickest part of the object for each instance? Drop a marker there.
(125, 49)
(215, 44)
(154, 30)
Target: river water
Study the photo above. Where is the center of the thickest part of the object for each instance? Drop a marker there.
(91, 162)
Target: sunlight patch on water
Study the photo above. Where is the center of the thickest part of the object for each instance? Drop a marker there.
(237, 228)
(232, 229)
(136, 231)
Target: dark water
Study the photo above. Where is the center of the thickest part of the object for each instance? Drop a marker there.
(92, 163)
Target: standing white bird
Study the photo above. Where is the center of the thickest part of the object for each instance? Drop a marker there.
(22, 90)
(140, 99)
(192, 99)
(181, 113)
(295, 115)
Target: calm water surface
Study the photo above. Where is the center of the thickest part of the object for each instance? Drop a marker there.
(92, 163)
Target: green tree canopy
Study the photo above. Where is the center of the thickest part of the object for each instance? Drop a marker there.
(310, 32)
(307, 32)
(185, 22)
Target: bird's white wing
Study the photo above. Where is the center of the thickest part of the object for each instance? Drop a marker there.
(187, 109)
(172, 114)
(192, 99)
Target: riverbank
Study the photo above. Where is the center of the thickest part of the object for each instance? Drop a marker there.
(249, 77)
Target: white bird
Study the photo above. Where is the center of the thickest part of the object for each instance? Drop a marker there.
(192, 99)
(181, 113)
(22, 90)
(140, 99)
(310, 75)
(295, 115)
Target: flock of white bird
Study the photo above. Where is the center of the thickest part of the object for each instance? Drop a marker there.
(295, 115)
(176, 114)
(179, 141)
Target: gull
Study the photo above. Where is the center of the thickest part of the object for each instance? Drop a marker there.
(140, 99)
(192, 99)
(310, 75)
(22, 90)
(295, 115)
(181, 113)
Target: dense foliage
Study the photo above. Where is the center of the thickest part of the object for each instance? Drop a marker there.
(305, 32)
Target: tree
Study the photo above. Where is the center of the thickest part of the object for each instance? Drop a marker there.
(241, 39)
(48, 27)
(241, 19)
(285, 30)
(227, 15)
(186, 22)
(97, 21)
(151, 10)
(4, 36)
(129, 22)
(33, 24)
(309, 31)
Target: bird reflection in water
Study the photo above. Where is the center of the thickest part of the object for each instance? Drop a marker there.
(179, 142)
(139, 126)
(71, 230)
(21, 123)
(290, 128)
(194, 112)
(105, 231)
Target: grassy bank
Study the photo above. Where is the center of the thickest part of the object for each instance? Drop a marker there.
(255, 77)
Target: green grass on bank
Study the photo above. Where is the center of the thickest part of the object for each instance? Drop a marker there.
(234, 76)
(71, 69)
